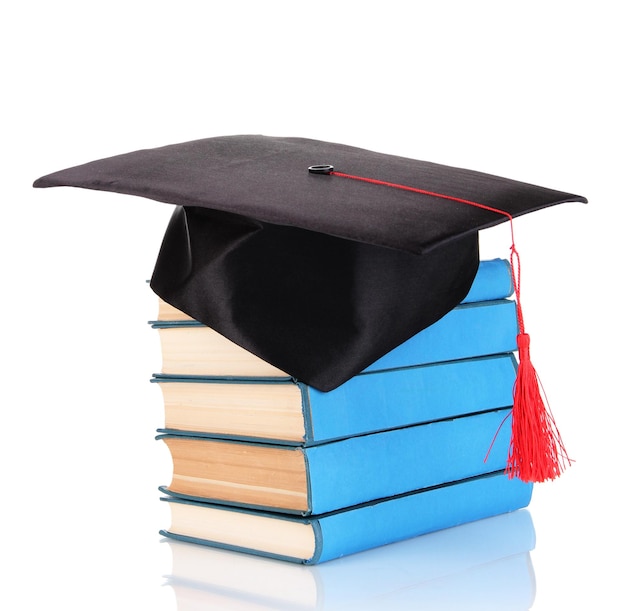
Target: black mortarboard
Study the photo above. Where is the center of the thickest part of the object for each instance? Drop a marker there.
(315, 272)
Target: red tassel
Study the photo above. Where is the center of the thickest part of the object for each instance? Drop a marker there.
(536, 453)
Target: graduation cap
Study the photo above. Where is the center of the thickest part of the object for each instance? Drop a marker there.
(317, 257)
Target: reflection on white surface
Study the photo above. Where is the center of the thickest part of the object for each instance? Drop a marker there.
(483, 565)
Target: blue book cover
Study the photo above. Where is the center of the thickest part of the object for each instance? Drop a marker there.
(296, 414)
(338, 474)
(493, 281)
(469, 330)
(317, 539)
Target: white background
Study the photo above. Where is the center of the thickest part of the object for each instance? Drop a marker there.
(531, 91)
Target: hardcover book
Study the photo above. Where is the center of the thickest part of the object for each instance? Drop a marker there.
(294, 413)
(469, 330)
(320, 538)
(338, 474)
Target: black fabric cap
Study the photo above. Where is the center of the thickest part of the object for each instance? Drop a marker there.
(317, 274)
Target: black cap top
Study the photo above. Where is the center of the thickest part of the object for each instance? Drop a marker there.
(272, 246)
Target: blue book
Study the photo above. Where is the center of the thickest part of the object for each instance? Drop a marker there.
(317, 539)
(485, 323)
(288, 412)
(338, 474)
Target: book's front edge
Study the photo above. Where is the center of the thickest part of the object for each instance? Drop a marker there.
(260, 509)
(234, 548)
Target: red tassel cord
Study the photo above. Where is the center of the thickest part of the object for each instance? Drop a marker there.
(536, 451)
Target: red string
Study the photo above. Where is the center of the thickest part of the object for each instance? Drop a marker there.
(394, 185)
(536, 452)
(514, 258)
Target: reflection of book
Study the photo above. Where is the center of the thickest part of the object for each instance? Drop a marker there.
(480, 565)
(505, 585)
(469, 330)
(293, 413)
(338, 474)
(329, 536)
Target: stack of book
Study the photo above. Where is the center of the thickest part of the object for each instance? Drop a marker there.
(265, 464)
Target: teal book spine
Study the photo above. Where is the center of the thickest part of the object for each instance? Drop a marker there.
(343, 473)
(367, 526)
(372, 402)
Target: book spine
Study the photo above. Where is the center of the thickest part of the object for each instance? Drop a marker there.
(365, 404)
(360, 469)
(408, 396)
(404, 517)
(352, 471)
